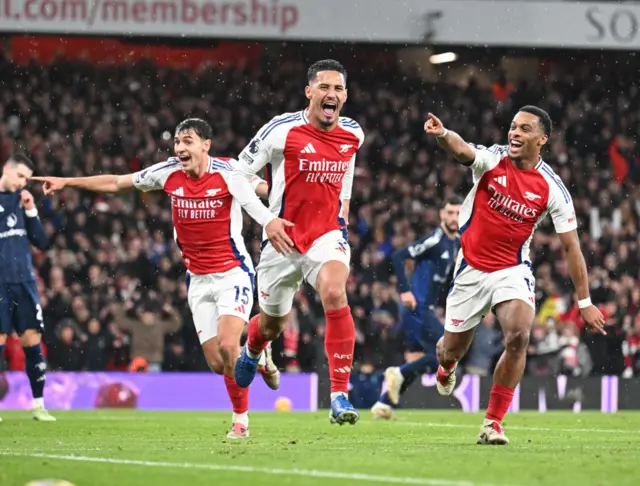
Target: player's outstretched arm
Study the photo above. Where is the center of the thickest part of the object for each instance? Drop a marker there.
(102, 183)
(578, 271)
(448, 140)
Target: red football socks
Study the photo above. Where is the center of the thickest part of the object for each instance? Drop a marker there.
(499, 402)
(339, 342)
(256, 342)
(239, 396)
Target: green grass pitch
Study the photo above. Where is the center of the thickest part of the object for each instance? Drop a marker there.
(127, 447)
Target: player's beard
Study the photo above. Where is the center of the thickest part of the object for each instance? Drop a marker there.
(451, 229)
(322, 117)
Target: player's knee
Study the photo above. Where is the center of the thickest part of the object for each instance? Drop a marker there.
(517, 340)
(30, 338)
(229, 349)
(272, 326)
(333, 295)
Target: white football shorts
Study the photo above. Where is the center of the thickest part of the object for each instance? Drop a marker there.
(474, 293)
(219, 294)
(280, 276)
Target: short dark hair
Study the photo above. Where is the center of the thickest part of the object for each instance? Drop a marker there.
(453, 200)
(543, 116)
(201, 128)
(325, 65)
(22, 159)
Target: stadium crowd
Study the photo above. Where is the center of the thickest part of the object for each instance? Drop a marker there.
(112, 283)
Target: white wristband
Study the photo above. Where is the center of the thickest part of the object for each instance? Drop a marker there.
(443, 134)
(31, 213)
(256, 181)
(584, 303)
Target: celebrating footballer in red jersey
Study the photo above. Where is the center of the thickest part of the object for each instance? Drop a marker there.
(207, 220)
(308, 158)
(513, 191)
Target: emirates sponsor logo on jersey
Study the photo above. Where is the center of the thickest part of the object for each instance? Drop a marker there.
(196, 208)
(509, 207)
(323, 170)
(182, 203)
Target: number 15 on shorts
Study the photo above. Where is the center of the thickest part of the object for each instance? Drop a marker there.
(242, 294)
(531, 286)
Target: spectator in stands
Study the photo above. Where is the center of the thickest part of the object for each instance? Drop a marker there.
(148, 330)
(66, 353)
(96, 347)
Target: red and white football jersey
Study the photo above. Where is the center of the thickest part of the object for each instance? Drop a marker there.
(207, 219)
(309, 172)
(505, 206)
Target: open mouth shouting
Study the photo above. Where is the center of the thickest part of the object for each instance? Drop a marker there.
(184, 158)
(329, 108)
(515, 144)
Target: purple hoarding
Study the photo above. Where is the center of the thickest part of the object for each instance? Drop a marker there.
(153, 391)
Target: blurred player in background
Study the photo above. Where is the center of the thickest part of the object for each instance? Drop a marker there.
(309, 159)
(514, 190)
(434, 256)
(207, 220)
(20, 310)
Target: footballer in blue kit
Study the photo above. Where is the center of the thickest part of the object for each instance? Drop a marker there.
(20, 309)
(434, 256)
